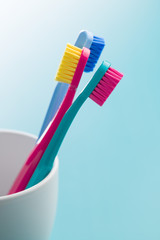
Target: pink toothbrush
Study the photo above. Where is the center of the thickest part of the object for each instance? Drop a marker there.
(71, 68)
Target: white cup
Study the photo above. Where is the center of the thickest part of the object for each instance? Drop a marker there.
(29, 214)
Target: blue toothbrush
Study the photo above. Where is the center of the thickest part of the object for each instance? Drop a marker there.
(96, 45)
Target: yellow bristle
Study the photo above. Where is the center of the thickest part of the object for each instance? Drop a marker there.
(68, 64)
(74, 47)
(68, 67)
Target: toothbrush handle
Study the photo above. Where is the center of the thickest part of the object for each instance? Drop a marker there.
(46, 162)
(30, 165)
(57, 98)
(62, 129)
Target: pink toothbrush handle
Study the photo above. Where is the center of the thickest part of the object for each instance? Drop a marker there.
(30, 165)
(35, 156)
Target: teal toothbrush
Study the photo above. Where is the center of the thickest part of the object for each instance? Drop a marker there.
(98, 89)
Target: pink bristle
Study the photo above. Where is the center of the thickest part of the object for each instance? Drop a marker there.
(101, 90)
(115, 71)
(95, 99)
(106, 85)
(111, 75)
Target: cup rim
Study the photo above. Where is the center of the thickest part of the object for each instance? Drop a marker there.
(38, 185)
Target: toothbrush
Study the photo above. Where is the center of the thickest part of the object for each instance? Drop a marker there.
(96, 45)
(98, 89)
(70, 71)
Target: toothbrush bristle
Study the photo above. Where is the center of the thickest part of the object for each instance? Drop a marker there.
(105, 86)
(96, 49)
(68, 64)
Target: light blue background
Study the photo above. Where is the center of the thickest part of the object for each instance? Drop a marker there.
(110, 160)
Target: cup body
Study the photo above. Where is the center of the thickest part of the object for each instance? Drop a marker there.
(29, 214)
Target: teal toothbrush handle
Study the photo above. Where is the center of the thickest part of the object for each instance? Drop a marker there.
(50, 153)
(65, 123)
(46, 162)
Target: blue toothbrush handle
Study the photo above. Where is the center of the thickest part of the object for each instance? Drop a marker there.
(57, 98)
(84, 39)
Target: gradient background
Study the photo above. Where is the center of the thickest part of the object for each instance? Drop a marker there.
(110, 160)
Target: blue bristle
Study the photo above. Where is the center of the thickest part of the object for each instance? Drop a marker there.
(96, 49)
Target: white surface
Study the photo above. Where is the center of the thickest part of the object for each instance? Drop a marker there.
(27, 215)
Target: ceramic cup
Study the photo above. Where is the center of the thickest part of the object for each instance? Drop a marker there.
(29, 214)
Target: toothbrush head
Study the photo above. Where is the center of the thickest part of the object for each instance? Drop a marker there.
(72, 65)
(68, 64)
(96, 49)
(107, 79)
(94, 43)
